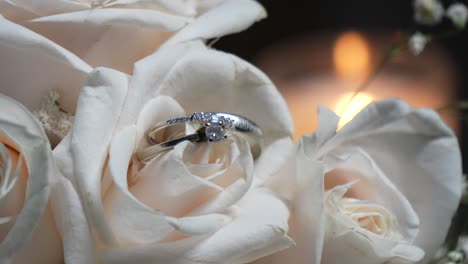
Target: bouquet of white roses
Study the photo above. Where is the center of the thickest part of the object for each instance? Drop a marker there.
(124, 138)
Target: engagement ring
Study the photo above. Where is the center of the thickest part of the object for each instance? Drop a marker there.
(213, 127)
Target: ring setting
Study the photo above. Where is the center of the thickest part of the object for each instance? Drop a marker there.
(212, 127)
(215, 125)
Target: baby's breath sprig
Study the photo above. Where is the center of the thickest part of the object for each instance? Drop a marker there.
(426, 13)
(55, 121)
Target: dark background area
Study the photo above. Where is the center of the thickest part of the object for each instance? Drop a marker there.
(289, 19)
(286, 20)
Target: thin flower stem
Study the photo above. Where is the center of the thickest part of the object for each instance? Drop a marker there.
(213, 41)
(461, 105)
(395, 49)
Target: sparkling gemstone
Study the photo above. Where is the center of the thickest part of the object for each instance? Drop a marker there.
(196, 117)
(215, 133)
(206, 117)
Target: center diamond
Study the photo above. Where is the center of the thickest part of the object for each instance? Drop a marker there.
(215, 133)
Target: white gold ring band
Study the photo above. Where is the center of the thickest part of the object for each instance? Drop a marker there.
(213, 127)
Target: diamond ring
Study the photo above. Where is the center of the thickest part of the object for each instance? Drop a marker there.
(213, 127)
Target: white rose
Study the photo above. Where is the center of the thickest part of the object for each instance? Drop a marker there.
(383, 189)
(194, 204)
(26, 172)
(55, 44)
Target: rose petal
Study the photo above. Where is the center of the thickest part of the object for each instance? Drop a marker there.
(12, 203)
(133, 221)
(346, 242)
(155, 111)
(385, 193)
(258, 230)
(243, 168)
(326, 130)
(97, 114)
(14, 175)
(301, 182)
(167, 185)
(419, 154)
(14, 12)
(309, 220)
(154, 187)
(212, 161)
(179, 7)
(199, 225)
(231, 16)
(171, 252)
(344, 249)
(17, 8)
(63, 157)
(148, 75)
(272, 159)
(22, 128)
(71, 221)
(35, 250)
(25, 52)
(206, 5)
(93, 34)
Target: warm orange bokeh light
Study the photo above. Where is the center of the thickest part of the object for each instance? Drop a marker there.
(351, 56)
(316, 70)
(347, 108)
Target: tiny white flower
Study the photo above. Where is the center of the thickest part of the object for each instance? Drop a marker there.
(463, 243)
(441, 252)
(54, 121)
(464, 199)
(455, 256)
(418, 42)
(458, 14)
(428, 12)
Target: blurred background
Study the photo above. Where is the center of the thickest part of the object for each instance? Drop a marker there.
(319, 52)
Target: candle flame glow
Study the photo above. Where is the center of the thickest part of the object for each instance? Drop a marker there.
(352, 60)
(351, 56)
(348, 107)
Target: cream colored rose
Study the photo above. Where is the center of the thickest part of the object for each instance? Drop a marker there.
(26, 172)
(197, 203)
(54, 44)
(106, 33)
(383, 189)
